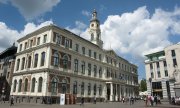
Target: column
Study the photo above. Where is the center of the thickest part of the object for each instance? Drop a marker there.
(116, 93)
(111, 95)
(171, 85)
(124, 91)
(164, 89)
(120, 91)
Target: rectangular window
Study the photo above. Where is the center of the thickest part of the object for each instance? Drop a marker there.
(152, 75)
(173, 53)
(94, 55)
(83, 50)
(174, 62)
(159, 74)
(25, 47)
(31, 43)
(165, 64)
(166, 73)
(66, 43)
(107, 60)
(95, 70)
(157, 64)
(100, 57)
(151, 66)
(54, 37)
(77, 47)
(156, 85)
(38, 40)
(20, 48)
(89, 53)
(45, 38)
(58, 39)
(89, 69)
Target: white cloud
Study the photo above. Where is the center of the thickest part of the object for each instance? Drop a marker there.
(8, 35)
(78, 29)
(86, 13)
(139, 32)
(31, 9)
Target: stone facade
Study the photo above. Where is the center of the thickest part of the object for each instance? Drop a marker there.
(52, 61)
(161, 68)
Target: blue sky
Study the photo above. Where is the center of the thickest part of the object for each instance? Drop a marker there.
(131, 27)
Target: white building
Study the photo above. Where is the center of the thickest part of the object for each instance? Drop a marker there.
(53, 60)
(161, 68)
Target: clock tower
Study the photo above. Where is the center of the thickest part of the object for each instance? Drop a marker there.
(95, 31)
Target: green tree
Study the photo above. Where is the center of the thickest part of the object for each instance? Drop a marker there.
(143, 85)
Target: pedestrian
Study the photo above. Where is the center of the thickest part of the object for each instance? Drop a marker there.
(152, 100)
(123, 99)
(12, 100)
(82, 101)
(94, 99)
(4, 100)
(155, 99)
(130, 102)
(146, 100)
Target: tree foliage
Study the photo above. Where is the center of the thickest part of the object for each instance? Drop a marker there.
(143, 85)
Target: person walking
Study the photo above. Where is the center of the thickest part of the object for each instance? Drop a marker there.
(12, 100)
(94, 99)
(146, 100)
(82, 101)
(155, 99)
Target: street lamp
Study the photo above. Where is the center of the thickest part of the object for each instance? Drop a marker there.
(150, 81)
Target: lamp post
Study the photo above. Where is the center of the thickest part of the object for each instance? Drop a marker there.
(150, 81)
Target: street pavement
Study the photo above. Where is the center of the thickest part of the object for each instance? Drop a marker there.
(137, 104)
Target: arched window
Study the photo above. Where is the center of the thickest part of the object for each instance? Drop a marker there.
(35, 60)
(75, 87)
(65, 61)
(26, 85)
(75, 65)
(40, 84)
(56, 59)
(82, 88)
(20, 85)
(17, 65)
(64, 85)
(83, 50)
(29, 61)
(23, 62)
(89, 88)
(15, 84)
(83, 67)
(33, 83)
(42, 58)
(54, 85)
(94, 89)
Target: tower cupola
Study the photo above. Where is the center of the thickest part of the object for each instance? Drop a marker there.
(94, 30)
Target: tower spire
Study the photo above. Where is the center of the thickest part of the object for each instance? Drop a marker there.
(94, 30)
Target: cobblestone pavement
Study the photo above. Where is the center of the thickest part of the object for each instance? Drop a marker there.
(137, 104)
